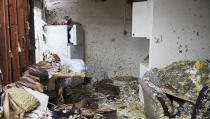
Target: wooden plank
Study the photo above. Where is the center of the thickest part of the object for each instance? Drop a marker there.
(29, 19)
(26, 26)
(21, 33)
(26, 8)
(5, 65)
(31, 32)
(14, 39)
(8, 50)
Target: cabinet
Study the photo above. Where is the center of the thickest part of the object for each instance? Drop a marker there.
(142, 19)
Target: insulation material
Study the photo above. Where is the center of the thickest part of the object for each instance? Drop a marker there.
(23, 99)
(43, 99)
(41, 110)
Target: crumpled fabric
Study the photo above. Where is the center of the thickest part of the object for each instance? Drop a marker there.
(11, 110)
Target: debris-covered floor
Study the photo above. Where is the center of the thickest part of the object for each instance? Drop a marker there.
(116, 95)
(49, 90)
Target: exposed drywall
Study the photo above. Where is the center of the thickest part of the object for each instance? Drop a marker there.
(108, 50)
(181, 31)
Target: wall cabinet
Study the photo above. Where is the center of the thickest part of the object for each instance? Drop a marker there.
(142, 19)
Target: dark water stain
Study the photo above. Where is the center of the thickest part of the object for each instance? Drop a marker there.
(197, 33)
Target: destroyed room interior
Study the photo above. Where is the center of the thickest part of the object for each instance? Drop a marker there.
(105, 59)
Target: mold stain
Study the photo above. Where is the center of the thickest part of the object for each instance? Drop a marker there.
(113, 39)
(180, 46)
(94, 41)
(197, 33)
(90, 58)
(158, 40)
(186, 48)
(119, 68)
(44, 39)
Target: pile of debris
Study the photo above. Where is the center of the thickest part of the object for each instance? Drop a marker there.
(25, 98)
(28, 97)
(179, 91)
(49, 90)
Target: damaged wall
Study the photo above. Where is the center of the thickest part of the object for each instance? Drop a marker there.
(181, 31)
(107, 48)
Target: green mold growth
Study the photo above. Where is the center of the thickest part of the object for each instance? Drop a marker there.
(185, 77)
(158, 40)
(113, 39)
(184, 80)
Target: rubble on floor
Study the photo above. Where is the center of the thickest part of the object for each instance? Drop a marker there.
(50, 90)
(128, 105)
(202, 105)
(26, 99)
(173, 91)
(53, 91)
(118, 95)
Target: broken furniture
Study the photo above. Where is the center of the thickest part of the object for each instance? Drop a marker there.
(173, 91)
(25, 98)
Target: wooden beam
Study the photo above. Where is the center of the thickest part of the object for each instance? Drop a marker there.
(5, 65)
(26, 26)
(26, 8)
(14, 39)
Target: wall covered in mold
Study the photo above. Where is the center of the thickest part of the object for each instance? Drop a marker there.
(108, 50)
(181, 31)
